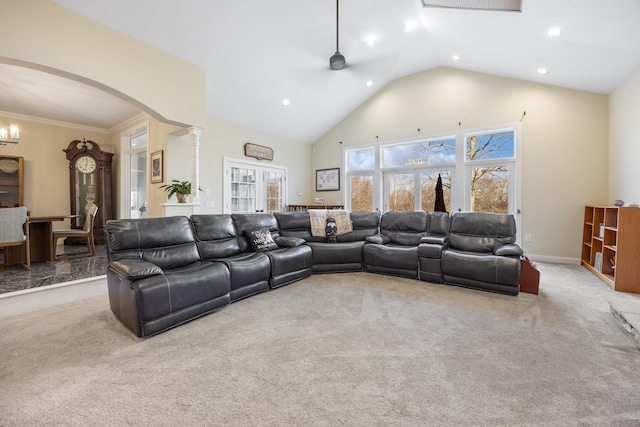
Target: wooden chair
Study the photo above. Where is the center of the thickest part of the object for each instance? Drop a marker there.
(14, 231)
(86, 233)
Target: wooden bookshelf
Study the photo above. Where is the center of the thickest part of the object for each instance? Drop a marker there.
(611, 245)
(304, 208)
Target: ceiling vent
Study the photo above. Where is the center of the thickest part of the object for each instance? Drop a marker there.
(501, 5)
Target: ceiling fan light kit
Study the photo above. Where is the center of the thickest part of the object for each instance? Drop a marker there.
(337, 61)
(499, 5)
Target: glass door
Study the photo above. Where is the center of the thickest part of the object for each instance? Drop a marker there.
(134, 184)
(249, 187)
(399, 192)
(272, 189)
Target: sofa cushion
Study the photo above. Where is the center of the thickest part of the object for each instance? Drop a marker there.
(167, 242)
(216, 236)
(252, 221)
(404, 228)
(289, 242)
(508, 250)
(363, 224)
(260, 239)
(481, 231)
(180, 288)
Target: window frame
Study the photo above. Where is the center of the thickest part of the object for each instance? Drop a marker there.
(460, 169)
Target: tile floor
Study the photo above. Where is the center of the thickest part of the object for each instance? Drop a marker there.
(15, 277)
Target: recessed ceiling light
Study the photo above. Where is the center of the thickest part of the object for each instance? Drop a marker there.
(371, 40)
(456, 57)
(542, 71)
(409, 26)
(554, 32)
(285, 102)
(369, 83)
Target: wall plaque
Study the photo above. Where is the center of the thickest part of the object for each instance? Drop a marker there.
(258, 151)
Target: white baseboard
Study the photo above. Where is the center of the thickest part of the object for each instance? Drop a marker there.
(553, 260)
(27, 300)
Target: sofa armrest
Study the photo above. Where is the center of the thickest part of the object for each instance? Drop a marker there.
(435, 240)
(134, 269)
(379, 239)
(508, 250)
(289, 242)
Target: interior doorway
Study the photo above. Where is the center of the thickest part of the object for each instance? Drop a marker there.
(134, 187)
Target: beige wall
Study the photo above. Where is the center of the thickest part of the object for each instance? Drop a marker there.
(222, 138)
(564, 141)
(50, 37)
(46, 169)
(624, 140)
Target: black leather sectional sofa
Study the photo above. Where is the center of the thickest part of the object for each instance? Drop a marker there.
(166, 271)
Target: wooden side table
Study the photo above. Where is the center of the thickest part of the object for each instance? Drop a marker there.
(529, 276)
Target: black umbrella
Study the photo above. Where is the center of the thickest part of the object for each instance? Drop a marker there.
(439, 205)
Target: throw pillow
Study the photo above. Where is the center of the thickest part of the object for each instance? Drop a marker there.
(260, 239)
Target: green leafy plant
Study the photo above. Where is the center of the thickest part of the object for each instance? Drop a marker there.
(179, 188)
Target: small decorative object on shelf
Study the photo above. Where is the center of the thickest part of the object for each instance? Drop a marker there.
(618, 203)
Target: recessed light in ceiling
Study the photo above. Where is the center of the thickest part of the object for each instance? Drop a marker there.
(554, 32)
(371, 40)
(500, 5)
(456, 57)
(409, 26)
(285, 102)
(542, 71)
(369, 83)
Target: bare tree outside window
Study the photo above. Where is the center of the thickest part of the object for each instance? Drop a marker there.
(401, 192)
(361, 194)
(490, 184)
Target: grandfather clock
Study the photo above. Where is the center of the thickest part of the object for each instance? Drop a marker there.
(90, 182)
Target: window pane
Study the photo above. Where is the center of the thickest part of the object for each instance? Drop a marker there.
(272, 182)
(361, 194)
(358, 160)
(490, 189)
(401, 193)
(490, 146)
(419, 153)
(428, 181)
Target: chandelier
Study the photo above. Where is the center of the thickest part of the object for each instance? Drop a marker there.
(12, 136)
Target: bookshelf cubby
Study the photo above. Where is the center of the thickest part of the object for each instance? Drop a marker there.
(611, 245)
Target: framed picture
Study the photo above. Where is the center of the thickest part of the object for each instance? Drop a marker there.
(157, 167)
(328, 179)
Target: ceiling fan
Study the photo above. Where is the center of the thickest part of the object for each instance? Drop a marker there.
(337, 61)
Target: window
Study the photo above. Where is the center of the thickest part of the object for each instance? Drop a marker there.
(479, 170)
(436, 152)
(361, 193)
(360, 166)
(428, 182)
(133, 186)
(399, 191)
(490, 158)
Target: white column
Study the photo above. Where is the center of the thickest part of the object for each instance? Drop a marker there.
(194, 136)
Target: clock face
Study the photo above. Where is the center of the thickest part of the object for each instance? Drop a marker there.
(86, 164)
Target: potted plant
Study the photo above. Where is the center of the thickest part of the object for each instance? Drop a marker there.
(179, 188)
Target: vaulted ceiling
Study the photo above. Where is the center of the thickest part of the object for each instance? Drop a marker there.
(256, 54)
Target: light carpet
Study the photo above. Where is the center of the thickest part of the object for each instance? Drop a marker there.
(351, 349)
